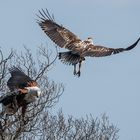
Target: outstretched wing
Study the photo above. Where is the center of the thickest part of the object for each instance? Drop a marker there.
(100, 51)
(57, 33)
(19, 79)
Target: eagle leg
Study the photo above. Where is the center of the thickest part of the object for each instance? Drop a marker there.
(74, 72)
(15, 104)
(79, 72)
(24, 107)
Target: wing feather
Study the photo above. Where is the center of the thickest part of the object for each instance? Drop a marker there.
(57, 33)
(100, 51)
(19, 79)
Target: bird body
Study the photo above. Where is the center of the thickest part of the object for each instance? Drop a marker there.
(79, 49)
(23, 90)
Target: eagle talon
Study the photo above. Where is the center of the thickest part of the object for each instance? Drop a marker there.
(78, 73)
(75, 73)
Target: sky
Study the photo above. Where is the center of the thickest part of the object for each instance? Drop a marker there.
(108, 85)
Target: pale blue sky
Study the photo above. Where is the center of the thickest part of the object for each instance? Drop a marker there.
(107, 85)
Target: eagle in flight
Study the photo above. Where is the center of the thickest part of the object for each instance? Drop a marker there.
(24, 91)
(78, 49)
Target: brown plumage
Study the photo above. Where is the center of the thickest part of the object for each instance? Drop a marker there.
(79, 49)
(23, 90)
(19, 80)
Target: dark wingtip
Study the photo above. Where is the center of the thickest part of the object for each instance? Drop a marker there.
(44, 15)
(133, 45)
(13, 68)
(59, 56)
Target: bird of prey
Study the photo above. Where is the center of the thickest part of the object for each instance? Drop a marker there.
(23, 90)
(78, 49)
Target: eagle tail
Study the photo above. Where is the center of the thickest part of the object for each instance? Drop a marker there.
(70, 58)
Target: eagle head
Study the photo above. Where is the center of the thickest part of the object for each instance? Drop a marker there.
(90, 40)
(32, 94)
(34, 91)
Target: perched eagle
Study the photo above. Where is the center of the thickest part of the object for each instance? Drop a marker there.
(23, 90)
(79, 49)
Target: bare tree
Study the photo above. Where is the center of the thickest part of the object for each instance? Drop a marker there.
(58, 128)
(38, 122)
(4, 68)
(13, 127)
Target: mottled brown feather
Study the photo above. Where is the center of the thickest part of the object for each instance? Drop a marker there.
(66, 39)
(57, 33)
(100, 51)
